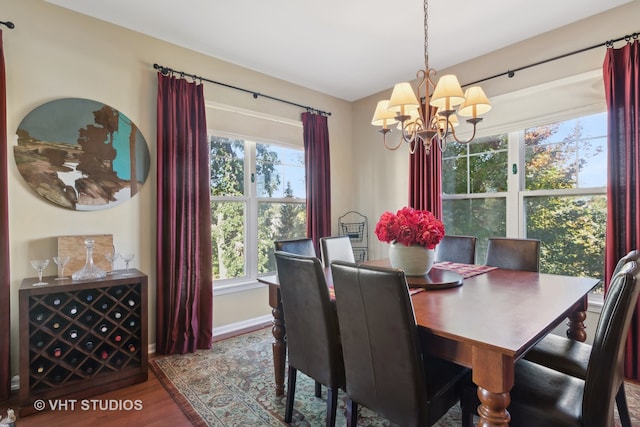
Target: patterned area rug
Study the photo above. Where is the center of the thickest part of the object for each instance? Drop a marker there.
(232, 385)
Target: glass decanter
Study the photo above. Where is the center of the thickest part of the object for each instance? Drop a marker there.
(90, 270)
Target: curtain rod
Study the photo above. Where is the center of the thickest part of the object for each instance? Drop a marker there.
(10, 25)
(512, 73)
(166, 70)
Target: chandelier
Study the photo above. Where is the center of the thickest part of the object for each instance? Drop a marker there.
(423, 119)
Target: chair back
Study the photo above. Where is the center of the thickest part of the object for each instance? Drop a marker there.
(514, 254)
(605, 369)
(336, 248)
(461, 249)
(296, 246)
(380, 344)
(313, 339)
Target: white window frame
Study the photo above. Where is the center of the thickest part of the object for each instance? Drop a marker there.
(249, 280)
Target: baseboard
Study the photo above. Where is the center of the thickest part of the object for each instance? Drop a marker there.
(239, 328)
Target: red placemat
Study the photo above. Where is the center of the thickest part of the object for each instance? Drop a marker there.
(465, 270)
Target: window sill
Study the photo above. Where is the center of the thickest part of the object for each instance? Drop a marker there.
(236, 287)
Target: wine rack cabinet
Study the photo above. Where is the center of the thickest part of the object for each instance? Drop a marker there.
(81, 338)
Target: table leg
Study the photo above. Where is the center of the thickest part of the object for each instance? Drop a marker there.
(279, 345)
(493, 408)
(576, 328)
(493, 371)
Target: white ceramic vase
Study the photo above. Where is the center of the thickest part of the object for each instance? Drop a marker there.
(413, 260)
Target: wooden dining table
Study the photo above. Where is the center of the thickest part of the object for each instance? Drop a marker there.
(487, 323)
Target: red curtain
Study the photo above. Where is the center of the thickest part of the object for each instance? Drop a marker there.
(425, 179)
(183, 255)
(318, 176)
(621, 71)
(5, 277)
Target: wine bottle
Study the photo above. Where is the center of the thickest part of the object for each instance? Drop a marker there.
(88, 345)
(39, 368)
(89, 368)
(57, 352)
(104, 354)
(131, 347)
(73, 334)
(38, 317)
(103, 328)
(73, 310)
(131, 302)
(117, 315)
(88, 297)
(117, 338)
(132, 323)
(88, 319)
(104, 306)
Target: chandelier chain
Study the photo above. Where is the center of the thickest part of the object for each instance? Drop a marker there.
(426, 35)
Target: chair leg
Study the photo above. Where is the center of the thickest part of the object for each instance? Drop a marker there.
(291, 392)
(318, 389)
(352, 413)
(623, 410)
(467, 419)
(332, 406)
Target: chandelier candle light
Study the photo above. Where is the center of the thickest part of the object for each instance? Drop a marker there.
(413, 113)
(413, 235)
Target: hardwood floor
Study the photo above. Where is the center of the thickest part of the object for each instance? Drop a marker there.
(158, 410)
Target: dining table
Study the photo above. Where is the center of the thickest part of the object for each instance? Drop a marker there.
(481, 317)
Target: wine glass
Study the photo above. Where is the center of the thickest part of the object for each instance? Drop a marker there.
(61, 261)
(39, 265)
(127, 257)
(112, 256)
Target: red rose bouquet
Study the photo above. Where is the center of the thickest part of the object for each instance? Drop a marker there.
(410, 227)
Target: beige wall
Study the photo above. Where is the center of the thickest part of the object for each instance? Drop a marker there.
(385, 188)
(53, 53)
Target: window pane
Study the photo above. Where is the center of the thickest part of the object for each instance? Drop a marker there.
(278, 221)
(227, 166)
(279, 172)
(482, 218)
(569, 154)
(478, 167)
(227, 239)
(572, 232)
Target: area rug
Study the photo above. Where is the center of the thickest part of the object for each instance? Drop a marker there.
(232, 385)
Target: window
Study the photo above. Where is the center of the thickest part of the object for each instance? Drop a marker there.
(559, 198)
(257, 196)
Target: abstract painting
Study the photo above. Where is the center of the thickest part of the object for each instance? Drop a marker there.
(81, 154)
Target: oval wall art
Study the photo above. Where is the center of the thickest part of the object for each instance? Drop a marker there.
(81, 154)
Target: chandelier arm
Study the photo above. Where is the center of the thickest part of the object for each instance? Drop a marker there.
(387, 146)
(473, 135)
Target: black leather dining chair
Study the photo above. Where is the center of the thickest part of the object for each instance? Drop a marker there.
(572, 357)
(385, 367)
(303, 246)
(313, 338)
(542, 396)
(296, 246)
(336, 248)
(461, 249)
(514, 254)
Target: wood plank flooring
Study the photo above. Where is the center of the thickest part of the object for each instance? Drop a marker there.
(158, 410)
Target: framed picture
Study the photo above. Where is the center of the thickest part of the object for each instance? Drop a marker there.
(81, 154)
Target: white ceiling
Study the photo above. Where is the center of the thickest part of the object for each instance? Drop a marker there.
(346, 48)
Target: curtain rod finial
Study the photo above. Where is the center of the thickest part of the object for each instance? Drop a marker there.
(10, 25)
